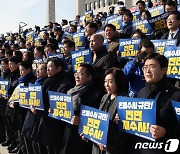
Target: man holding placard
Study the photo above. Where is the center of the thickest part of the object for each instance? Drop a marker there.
(84, 93)
(157, 87)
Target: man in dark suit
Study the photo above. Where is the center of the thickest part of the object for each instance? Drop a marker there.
(173, 23)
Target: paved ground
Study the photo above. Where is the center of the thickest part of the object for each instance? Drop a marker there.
(3, 150)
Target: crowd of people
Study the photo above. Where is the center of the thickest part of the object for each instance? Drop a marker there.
(32, 131)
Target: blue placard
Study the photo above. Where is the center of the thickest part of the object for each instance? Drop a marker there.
(176, 107)
(15, 95)
(116, 21)
(158, 22)
(30, 37)
(94, 124)
(61, 48)
(159, 45)
(136, 15)
(82, 21)
(36, 63)
(79, 40)
(68, 35)
(173, 55)
(89, 16)
(61, 56)
(4, 86)
(80, 56)
(35, 97)
(37, 41)
(155, 11)
(61, 106)
(24, 97)
(128, 47)
(136, 115)
(143, 25)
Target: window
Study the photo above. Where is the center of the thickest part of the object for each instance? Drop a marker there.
(115, 1)
(91, 6)
(95, 5)
(100, 3)
(105, 3)
(110, 2)
(86, 7)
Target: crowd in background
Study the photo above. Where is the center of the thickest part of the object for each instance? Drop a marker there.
(31, 131)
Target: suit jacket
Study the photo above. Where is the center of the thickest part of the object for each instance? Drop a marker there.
(165, 36)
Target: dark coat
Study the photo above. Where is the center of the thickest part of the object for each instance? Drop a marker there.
(51, 131)
(13, 82)
(104, 61)
(165, 116)
(117, 141)
(3, 102)
(31, 121)
(19, 112)
(72, 142)
(165, 36)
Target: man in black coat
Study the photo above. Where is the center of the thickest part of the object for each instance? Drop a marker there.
(84, 93)
(13, 82)
(51, 130)
(173, 23)
(102, 60)
(26, 77)
(157, 87)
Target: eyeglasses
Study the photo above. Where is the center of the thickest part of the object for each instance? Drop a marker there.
(78, 74)
(150, 67)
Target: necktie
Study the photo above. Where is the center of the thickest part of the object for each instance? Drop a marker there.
(171, 36)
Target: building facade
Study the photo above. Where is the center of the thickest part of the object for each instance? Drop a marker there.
(98, 5)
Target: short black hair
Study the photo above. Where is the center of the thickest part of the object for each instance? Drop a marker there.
(69, 43)
(142, 35)
(15, 59)
(88, 67)
(2, 51)
(40, 48)
(5, 60)
(9, 52)
(140, 1)
(92, 25)
(18, 54)
(129, 14)
(57, 62)
(176, 13)
(145, 43)
(51, 46)
(110, 26)
(26, 65)
(171, 3)
(161, 59)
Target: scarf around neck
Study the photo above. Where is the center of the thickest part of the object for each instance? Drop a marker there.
(153, 89)
(76, 94)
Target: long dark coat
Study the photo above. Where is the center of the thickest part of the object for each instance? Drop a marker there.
(51, 131)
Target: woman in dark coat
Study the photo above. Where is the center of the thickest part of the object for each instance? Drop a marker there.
(115, 84)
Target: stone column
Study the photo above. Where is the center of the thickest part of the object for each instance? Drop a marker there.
(50, 16)
(80, 7)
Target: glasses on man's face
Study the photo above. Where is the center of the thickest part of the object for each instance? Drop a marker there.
(78, 74)
(148, 67)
